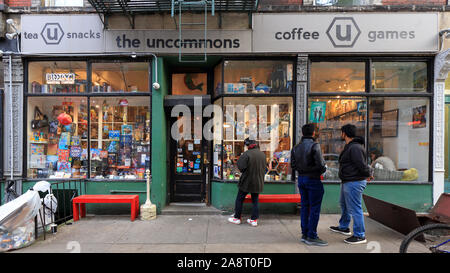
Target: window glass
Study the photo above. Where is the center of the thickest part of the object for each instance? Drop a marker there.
(330, 114)
(120, 77)
(189, 84)
(57, 137)
(120, 137)
(269, 122)
(218, 149)
(338, 77)
(258, 77)
(218, 88)
(57, 77)
(399, 135)
(399, 76)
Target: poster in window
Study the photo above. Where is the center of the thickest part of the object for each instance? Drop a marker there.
(419, 119)
(317, 111)
(420, 80)
(389, 123)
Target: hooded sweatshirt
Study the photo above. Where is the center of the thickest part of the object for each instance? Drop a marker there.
(353, 161)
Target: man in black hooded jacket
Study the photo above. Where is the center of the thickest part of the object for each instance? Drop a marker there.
(354, 173)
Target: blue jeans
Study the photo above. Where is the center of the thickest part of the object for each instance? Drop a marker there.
(351, 206)
(311, 192)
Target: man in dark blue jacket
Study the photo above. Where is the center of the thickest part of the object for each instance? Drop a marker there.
(354, 173)
(307, 160)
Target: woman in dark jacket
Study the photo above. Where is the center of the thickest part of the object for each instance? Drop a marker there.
(252, 165)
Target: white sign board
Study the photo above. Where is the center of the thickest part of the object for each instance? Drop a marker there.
(62, 34)
(346, 32)
(168, 41)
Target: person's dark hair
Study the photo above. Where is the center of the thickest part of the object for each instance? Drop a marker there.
(349, 130)
(308, 129)
(248, 142)
(375, 152)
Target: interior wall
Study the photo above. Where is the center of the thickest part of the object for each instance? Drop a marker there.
(408, 148)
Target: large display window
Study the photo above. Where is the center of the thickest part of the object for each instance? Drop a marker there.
(93, 135)
(57, 137)
(119, 137)
(57, 77)
(256, 77)
(266, 120)
(338, 77)
(395, 126)
(396, 76)
(120, 77)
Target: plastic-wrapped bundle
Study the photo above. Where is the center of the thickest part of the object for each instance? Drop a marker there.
(17, 225)
(17, 221)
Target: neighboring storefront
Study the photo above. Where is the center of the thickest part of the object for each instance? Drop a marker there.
(321, 68)
(447, 135)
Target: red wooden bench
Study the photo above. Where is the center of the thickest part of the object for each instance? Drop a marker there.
(83, 199)
(275, 198)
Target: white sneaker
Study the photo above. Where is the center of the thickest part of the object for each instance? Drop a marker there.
(253, 223)
(234, 220)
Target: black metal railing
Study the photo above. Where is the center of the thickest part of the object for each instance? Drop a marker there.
(64, 192)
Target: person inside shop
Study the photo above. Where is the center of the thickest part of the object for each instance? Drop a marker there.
(252, 164)
(354, 173)
(273, 168)
(307, 160)
(381, 161)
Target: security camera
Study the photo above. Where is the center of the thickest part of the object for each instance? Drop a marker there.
(10, 36)
(12, 24)
(446, 32)
(156, 85)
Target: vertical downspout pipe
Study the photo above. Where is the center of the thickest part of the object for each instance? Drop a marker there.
(11, 119)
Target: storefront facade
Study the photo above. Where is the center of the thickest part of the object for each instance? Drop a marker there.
(264, 82)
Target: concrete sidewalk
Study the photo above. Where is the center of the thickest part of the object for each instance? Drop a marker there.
(206, 234)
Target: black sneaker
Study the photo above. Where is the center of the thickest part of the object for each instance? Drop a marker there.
(303, 239)
(341, 230)
(316, 242)
(354, 240)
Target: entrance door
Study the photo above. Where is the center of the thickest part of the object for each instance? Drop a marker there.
(189, 158)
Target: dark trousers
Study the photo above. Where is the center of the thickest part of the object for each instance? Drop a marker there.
(240, 201)
(311, 192)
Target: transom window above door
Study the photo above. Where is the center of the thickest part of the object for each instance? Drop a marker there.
(189, 84)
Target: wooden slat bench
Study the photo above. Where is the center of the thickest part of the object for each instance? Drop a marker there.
(83, 199)
(275, 198)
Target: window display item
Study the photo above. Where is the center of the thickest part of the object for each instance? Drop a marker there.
(40, 120)
(63, 155)
(64, 119)
(114, 135)
(262, 88)
(64, 141)
(53, 128)
(75, 151)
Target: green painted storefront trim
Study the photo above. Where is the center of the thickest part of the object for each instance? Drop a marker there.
(417, 197)
(223, 196)
(159, 161)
